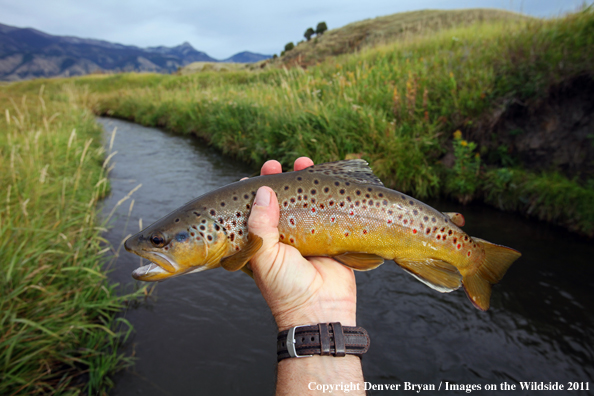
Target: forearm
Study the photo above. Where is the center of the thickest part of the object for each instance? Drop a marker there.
(301, 376)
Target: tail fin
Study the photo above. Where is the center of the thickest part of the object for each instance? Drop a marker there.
(497, 260)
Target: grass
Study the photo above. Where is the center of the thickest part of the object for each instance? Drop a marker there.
(59, 329)
(387, 29)
(397, 106)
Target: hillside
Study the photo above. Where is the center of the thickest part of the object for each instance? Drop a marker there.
(27, 53)
(386, 29)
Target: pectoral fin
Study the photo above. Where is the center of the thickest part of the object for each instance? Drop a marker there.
(436, 274)
(360, 261)
(456, 218)
(240, 259)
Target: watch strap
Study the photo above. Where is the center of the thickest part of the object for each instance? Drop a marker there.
(323, 339)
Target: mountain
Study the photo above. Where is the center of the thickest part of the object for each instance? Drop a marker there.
(246, 57)
(27, 53)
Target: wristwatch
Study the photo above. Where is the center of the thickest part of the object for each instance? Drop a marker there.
(325, 339)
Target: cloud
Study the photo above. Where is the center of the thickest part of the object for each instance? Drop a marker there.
(223, 28)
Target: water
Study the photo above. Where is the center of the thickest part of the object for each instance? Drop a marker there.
(212, 333)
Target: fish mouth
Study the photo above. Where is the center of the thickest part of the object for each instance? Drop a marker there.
(161, 267)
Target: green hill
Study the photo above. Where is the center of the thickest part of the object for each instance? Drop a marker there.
(387, 29)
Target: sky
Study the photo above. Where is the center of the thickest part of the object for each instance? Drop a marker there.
(222, 28)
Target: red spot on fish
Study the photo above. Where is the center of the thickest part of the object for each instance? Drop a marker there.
(191, 233)
(332, 219)
(405, 221)
(321, 206)
(455, 240)
(292, 221)
(238, 214)
(439, 237)
(282, 236)
(469, 253)
(444, 237)
(232, 237)
(346, 234)
(236, 248)
(292, 240)
(364, 231)
(389, 221)
(414, 231)
(351, 213)
(313, 231)
(459, 246)
(313, 210)
(428, 231)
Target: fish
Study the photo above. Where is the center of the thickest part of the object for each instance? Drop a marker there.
(338, 209)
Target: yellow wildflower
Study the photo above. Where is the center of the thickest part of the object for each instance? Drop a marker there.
(457, 135)
(464, 143)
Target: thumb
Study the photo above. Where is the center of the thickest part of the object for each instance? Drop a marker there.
(263, 220)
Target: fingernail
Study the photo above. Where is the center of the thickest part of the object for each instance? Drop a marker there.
(262, 197)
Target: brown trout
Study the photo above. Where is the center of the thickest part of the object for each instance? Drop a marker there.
(340, 210)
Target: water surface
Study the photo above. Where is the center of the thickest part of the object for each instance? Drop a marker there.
(212, 333)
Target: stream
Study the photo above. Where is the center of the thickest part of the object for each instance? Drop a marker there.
(211, 333)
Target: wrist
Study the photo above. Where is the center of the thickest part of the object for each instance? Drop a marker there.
(345, 314)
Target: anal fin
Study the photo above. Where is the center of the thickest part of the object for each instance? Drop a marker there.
(360, 261)
(240, 259)
(436, 274)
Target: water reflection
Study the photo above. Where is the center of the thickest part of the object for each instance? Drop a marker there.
(211, 333)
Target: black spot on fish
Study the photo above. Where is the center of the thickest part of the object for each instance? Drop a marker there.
(235, 198)
(326, 189)
(177, 220)
(367, 196)
(286, 188)
(342, 191)
(299, 190)
(415, 212)
(245, 196)
(358, 192)
(222, 203)
(217, 227)
(316, 181)
(411, 202)
(292, 200)
(313, 192)
(336, 184)
(202, 228)
(433, 219)
(213, 212)
(182, 236)
(209, 237)
(380, 195)
(426, 218)
(197, 214)
(347, 183)
(299, 178)
(369, 189)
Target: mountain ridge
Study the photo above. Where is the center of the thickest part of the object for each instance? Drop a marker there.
(27, 53)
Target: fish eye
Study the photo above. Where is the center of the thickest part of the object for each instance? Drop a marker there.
(157, 240)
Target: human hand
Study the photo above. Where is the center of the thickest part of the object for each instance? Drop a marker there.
(299, 291)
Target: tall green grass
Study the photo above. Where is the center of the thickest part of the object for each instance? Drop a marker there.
(58, 327)
(397, 106)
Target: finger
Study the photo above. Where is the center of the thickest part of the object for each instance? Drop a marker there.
(263, 220)
(271, 167)
(302, 163)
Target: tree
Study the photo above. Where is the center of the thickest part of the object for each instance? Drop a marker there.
(308, 33)
(321, 28)
(289, 46)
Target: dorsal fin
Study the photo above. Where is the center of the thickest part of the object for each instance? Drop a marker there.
(355, 170)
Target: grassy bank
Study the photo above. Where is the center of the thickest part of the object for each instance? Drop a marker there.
(58, 329)
(404, 107)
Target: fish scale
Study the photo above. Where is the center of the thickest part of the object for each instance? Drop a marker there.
(340, 210)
